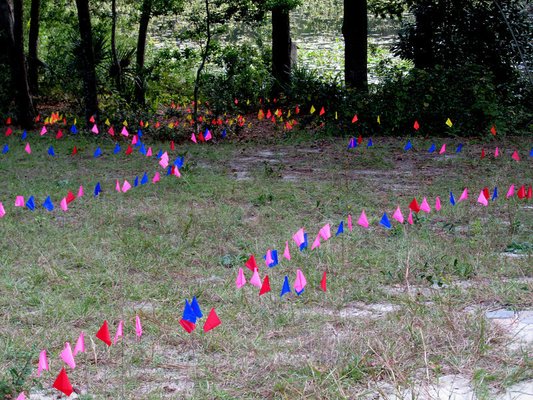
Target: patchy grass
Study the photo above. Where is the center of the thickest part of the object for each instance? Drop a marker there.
(403, 306)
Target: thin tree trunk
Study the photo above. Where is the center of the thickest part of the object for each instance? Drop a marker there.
(89, 73)
(33, 61)
(281, 49)
(11, 18)
(355, 32)
(141, 47)
(116, 65)
(205, 54)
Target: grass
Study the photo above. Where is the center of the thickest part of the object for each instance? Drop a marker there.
(145, 251)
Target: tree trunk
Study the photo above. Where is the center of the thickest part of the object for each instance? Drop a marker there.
(116, 70)
(11, 20)
(33, 61)
(355, 32)
(141, 46)
(205, 54)
(89, 73)
(281, 49)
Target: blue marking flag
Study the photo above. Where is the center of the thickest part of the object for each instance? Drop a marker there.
(452, 199)
(432, 148)
(224, 134)
(116, 150)
(142, 149)
(459, 148)
(196, 307)
(286, 287)
(97, 152)
(136, 182)
(495, 194)
(51, 151)
(5, 149)
(303, 246)
(48, 204)
(370, 143)
(352, 144)
(24, 135)
(340, 229)
(408, 146)
(97, 189)
(73, 129)
(144, 179)
(385, 221)
(139, 133)
(160, 153)
(31, 203)
(179, 162)
(188, 313)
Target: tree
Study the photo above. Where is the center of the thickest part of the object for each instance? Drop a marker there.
(495, 34)
(88, 68)
(281, 42)
(11, 21)
(355, 32)
(33, 61)
(149, 8)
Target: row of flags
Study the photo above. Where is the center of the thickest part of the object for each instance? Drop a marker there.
(357, 142)
(191, 314)
(300, 238)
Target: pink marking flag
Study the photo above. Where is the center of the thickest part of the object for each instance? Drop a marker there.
(363, 221)
(212, 321)
(43, 363)
(176, 171)
(124, 132)
(126, 186)
(241, 280)
(80, 191)
(149, 152)
(43, 131)
(482, 199)
(398, 216)
(442, 151)
(208, 135)
(19, 201)
(496, 152)
(510, 192)
(67, 357)
(156, 178)
(27, 149)
(325, 232)
(300, 282)
(193, 138)
(268, 259)
(117, 185)
(63, 204)
(410, 218)
(163, 161)
(316, 243)
(464, 195)
(21, 396)
(138, 327)
(2, 210)
(515, 156)
(299, 237)
(286, 253)
(256, 279)
(119, 333)
(135, 139)
(438, 206)
(80, 345)
(425, 206)
(94, 129)
(350, 226)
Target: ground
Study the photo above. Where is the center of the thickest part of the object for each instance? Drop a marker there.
(440, 309)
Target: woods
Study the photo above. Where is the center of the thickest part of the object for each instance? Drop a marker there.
(444, 34)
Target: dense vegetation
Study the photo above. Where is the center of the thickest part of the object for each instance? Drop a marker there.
(469, 61)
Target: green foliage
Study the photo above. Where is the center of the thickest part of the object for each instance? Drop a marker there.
(243, 74)
(458, 33)
(13, 381)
